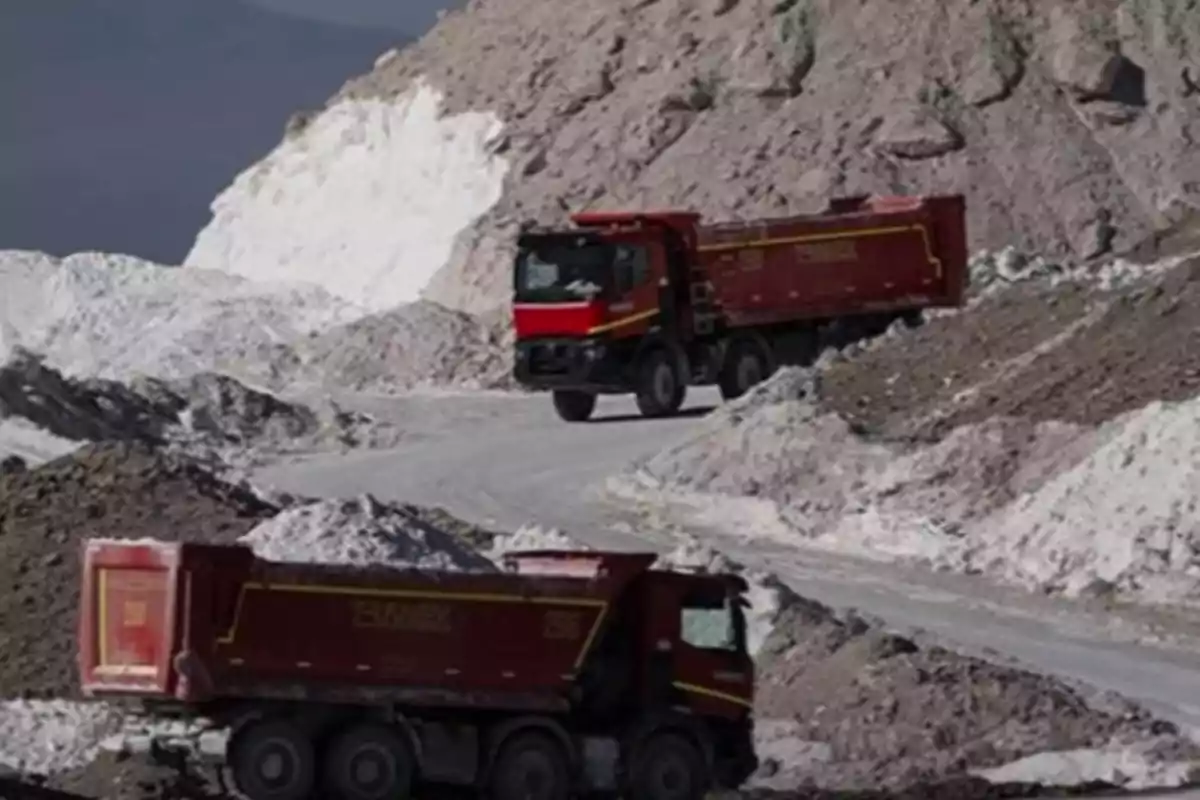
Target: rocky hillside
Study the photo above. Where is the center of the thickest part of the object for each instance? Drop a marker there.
(1071, 126)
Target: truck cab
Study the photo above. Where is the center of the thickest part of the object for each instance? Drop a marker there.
(586, 301)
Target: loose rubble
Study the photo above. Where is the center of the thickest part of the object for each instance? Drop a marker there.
(205, 415)
(1043, 438)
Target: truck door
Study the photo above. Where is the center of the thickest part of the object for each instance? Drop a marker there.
(635, 289)
(712, 667)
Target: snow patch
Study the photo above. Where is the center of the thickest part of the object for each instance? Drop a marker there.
(360, 531)
(47, 736)
(366, 201)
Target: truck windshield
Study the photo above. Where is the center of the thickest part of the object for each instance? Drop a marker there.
(710, 624)
(563, 272)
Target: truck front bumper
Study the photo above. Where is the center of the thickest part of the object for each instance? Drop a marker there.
(582, 364)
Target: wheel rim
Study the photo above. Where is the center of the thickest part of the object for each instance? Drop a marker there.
(749, 373)
(670, 777)
(529, 775)
(372, 771)
(664, 385)
(276, 765)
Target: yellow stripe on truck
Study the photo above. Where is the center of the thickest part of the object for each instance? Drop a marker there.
(923, 231)
(622, 322)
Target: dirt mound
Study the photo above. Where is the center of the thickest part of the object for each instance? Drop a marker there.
(118, 490)
(416, 344)
(205, 412)
(1070, 126)
(1065, 353)
(892, 713)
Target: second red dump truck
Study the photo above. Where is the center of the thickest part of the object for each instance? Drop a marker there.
(570, 673)
(650, 303)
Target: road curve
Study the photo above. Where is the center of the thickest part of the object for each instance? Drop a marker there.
(507, 460)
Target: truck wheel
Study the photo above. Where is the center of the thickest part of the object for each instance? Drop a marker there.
(660, 391)
(668, 766)
(574, 406)
(272, 760)
(369, 762)
(745, 366)
(530, 766)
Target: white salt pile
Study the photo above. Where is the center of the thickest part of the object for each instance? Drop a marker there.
(1048, 505)
(365, 201)
(360, 531)
(46, 736)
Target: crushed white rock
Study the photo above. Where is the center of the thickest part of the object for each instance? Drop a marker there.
(1048, 505)
(1130, 766)
(532, 537)
(366, 202)
(48, 736)
(360, 531)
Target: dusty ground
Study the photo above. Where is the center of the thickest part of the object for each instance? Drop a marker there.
(1045, 353)
(896, 713)
(1070, 126)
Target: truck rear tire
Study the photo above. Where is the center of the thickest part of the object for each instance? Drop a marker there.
(668, 766)
(745, 366)
(573, 406)
(530, 766)
(660, 388)
(272, 759)
(368, 762)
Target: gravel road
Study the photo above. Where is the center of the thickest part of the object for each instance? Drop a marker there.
(506, 460)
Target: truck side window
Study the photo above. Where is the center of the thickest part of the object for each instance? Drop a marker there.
(707, 623)
(632, 267)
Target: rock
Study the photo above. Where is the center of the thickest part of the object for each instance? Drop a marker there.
(12, 465)
(917, 133)
(993, 69)
(1083, 61)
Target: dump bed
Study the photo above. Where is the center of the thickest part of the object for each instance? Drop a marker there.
(196, 622)
(862, 256)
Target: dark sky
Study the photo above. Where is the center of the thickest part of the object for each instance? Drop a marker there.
(123, 119)
(410, 16)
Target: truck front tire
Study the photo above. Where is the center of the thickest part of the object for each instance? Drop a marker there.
(668, 766)
(573, 406)
(272, 759)
(530, 766)
(660, 387)
(369, 762)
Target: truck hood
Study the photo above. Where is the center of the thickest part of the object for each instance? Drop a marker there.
(531, 320)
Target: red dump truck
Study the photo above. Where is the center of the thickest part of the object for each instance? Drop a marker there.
(568, 673)
(650, 303)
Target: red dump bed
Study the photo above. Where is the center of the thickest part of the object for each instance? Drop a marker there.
(197, 622)
(864, 255)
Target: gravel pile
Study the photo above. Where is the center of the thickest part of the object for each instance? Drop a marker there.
(886, 712)
(1070, 352)
(206, 413)
(414, 345)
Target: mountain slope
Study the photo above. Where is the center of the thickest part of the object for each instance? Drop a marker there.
(124, 117)
(1071, 126)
